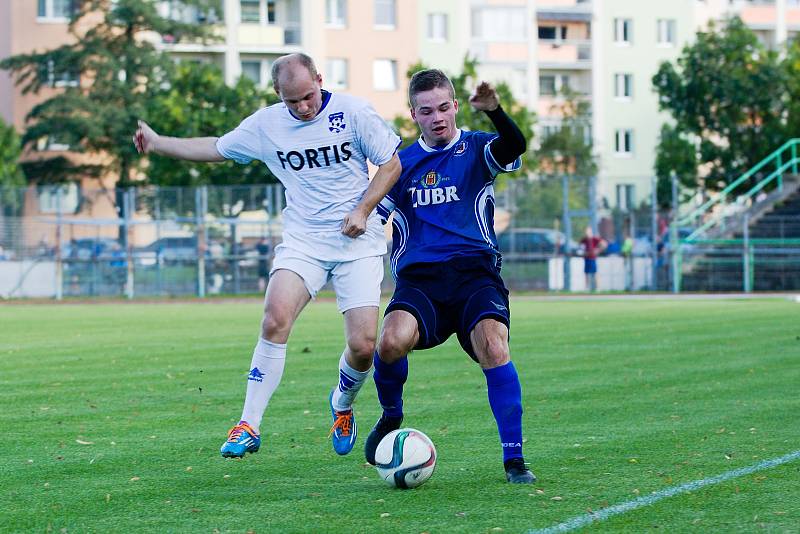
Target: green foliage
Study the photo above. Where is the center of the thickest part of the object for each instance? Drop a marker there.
(674, 153)
(197, 104)
(728, 92)
(120, 72)
(464, 83)
(568, 150)
(10, 150)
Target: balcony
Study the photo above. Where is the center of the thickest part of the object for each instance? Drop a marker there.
(565, 10)
(565, 54)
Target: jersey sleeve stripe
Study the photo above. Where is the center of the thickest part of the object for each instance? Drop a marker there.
(495, 167)
(486, 196)
(400, 223)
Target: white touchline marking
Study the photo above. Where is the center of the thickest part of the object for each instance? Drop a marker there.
(605, 513)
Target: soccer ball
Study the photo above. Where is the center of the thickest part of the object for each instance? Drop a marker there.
(405, 458)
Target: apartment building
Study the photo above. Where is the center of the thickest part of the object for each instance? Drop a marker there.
(368, 46)
(630, 41)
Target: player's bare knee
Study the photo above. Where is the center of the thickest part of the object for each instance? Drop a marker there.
(362, 347)
(392, 346)
(493, 352)
(275, 326)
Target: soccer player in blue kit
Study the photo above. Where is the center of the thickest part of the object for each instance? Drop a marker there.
(445, 258)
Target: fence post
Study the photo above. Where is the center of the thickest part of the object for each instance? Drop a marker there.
(59, 262)
(129, 203)
(675, 246)
(746, 266)
(593, 203)
(794, 158)
(157, 204)
(567, 231)
(653, 233)
(200, 203)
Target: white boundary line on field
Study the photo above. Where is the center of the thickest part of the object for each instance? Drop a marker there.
(587, 519)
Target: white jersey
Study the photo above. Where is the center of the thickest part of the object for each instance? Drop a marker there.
(322, 163)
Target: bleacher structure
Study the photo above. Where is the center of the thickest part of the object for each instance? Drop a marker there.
(746, 241)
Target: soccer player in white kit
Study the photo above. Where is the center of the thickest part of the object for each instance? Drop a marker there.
(317, 144)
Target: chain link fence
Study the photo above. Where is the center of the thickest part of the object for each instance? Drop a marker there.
(71, 241)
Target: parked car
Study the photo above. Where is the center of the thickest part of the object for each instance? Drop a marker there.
(535, 241)
(89, 248)
(168, 250)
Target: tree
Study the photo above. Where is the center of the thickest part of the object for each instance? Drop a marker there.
(674, 154)
(10, 151)
(729, 92)
(464, 83)
(568, 149)
(119, 70)
(198, 104)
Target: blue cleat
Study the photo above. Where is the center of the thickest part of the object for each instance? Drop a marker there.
(241, 440)
(344, 430)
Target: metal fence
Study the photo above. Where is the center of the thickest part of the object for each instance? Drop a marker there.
(160, 241)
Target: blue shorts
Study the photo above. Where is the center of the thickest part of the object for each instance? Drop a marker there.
(451, 298)
(589, 266)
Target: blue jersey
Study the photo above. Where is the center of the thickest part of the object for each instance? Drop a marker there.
(443, 202)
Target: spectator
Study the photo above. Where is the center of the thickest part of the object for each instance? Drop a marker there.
(262, 247)
(593, 246)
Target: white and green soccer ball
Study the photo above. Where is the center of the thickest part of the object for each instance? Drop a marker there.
(405, 458)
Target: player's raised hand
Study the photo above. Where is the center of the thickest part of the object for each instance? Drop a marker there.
(145, 138)
(354, 224)
(484, 98)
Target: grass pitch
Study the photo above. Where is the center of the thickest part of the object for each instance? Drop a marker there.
(113, 414)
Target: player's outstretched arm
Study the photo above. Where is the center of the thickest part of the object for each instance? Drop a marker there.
(510, 143)
(190, 148)
(355, 222)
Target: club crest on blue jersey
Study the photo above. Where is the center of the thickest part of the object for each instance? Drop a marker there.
(431, 179)
(430, 193)
(460, 148)
(336, 122)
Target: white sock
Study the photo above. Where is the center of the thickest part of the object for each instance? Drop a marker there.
(350, 381)
(266, 370)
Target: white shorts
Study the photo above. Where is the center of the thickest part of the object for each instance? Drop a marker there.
(357, 283)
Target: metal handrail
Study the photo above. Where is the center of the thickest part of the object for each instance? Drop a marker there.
(720, 198)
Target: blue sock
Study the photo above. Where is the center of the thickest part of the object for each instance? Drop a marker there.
(389, 380)
(505, 398)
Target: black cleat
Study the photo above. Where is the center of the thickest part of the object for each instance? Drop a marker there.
(517, 472)
(384, 425)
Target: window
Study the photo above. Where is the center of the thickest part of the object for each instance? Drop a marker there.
(547, 85)
(626, 195)
(61, 78)
(252, 70)
(623, 86)
(53, 143)
(553, 33)
(254, 11)
(437, 26)
(623, 142)
(384, 74)
(250, 11)
(385, 13)
(552, 84)
(336, 13)
(336, 73)
(547, 32)
(623, 29)
(55, 9)
(499, 24)
(666, 32)
(50, 196)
